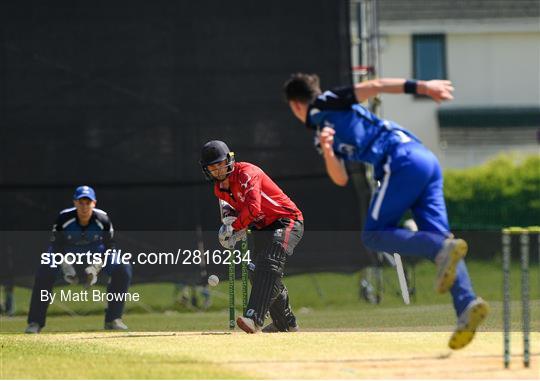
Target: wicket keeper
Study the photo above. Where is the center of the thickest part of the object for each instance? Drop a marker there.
(409, 177)
(77, 230)
(273, 218)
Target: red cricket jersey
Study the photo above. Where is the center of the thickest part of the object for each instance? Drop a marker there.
(256, 198)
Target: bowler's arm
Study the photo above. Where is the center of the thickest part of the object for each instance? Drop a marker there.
(438, 90)
(335, 168)
(334, 164)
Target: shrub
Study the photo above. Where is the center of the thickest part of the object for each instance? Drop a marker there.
(503, 192)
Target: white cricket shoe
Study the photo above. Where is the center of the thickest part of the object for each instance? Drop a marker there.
(446, 260)
(468, 322)
(247, 325)
(116, 325)
(33, 328)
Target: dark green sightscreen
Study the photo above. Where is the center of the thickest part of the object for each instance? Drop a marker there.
(122, 95)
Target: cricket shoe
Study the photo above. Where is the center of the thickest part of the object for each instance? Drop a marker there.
(447, 260)
(116, 325)
(468, 322)
(33, 328)
(247, 325)
(271, 328)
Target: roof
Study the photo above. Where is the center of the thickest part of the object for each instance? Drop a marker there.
(405, 10)
(495, 116)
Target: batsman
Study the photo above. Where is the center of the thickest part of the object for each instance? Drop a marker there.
(276, 223)
(408, 174)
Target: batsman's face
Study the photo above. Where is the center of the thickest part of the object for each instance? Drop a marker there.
(84, 207)
(299, 109)
(219, 170)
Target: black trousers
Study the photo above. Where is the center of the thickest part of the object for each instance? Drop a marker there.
(46, 276)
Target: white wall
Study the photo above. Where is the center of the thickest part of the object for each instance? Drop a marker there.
(495, 69)
(415, 114)
(490, 64)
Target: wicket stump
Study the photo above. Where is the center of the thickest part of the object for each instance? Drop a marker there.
(232, 277)
(524, 240)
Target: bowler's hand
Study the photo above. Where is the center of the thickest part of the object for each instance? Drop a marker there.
(327, 139)
(439, 90)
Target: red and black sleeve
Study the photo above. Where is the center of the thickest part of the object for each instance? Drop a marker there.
(251, 189)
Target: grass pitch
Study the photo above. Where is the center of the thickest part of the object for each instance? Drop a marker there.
(382, 342)
(341, 337)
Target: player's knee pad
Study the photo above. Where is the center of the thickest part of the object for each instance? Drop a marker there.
(279, 320)
(272, 259)
(251, 272)
(280, 311)
(263, 292)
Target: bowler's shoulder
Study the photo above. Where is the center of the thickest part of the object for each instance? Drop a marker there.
(340, 98)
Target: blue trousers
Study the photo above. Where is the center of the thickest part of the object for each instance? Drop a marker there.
(413, 181)
(46, 276)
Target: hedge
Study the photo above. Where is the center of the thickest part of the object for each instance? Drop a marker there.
(503, 192)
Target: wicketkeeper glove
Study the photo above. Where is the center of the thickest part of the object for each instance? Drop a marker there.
(91, 272)
(70, 275)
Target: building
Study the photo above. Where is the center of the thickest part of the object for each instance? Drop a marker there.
(490, 50)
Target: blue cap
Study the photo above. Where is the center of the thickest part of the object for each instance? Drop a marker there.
(84, 191)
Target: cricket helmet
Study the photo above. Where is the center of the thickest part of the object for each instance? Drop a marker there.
(213, 152)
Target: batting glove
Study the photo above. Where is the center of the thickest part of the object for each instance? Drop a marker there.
(229, 220)
(226, 236)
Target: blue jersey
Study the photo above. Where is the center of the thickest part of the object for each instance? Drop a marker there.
(360, 134)
(69, 236)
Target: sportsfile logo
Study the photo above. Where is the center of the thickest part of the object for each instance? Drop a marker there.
(181, 256)
(86, 258)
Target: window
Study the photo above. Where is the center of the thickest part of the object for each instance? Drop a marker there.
(429, 56)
